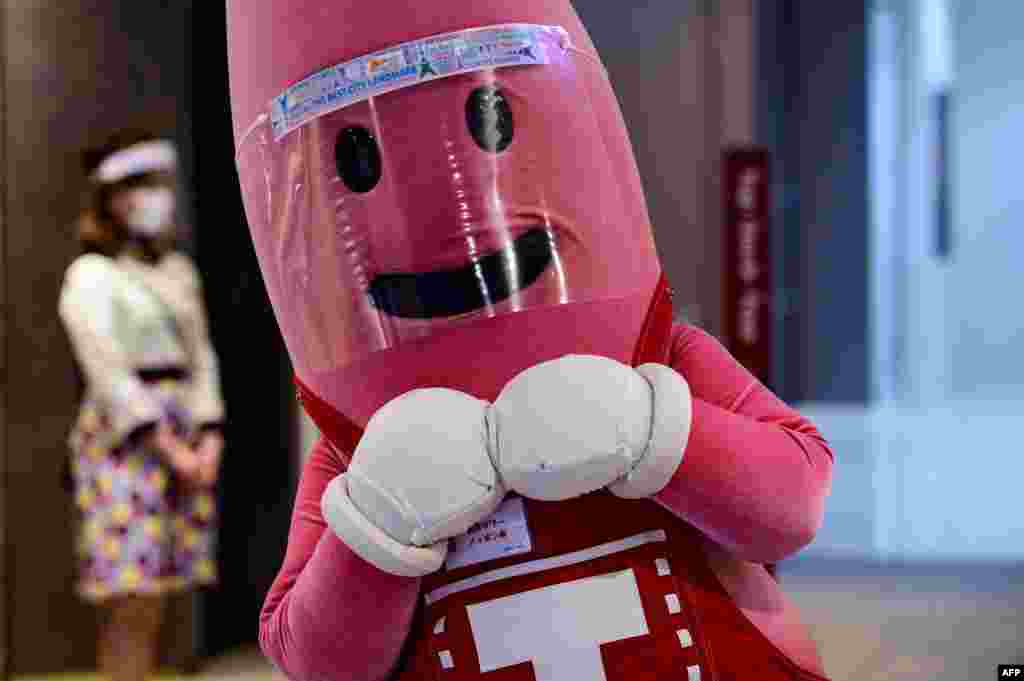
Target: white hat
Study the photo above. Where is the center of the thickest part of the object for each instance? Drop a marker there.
(146, 157)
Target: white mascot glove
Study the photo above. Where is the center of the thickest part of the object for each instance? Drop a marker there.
(422, 473)
(576, 424)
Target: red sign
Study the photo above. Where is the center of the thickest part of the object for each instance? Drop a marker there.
(747, 248)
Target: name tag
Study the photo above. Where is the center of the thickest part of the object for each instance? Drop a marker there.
(504, 534)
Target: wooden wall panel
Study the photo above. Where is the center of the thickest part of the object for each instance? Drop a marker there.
(4, 609)
(73, 71)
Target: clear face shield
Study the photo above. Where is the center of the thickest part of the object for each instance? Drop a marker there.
(438, 183)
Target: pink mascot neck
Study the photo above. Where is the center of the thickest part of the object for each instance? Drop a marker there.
(482, 358)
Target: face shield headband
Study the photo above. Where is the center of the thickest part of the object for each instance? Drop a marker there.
(414, 63)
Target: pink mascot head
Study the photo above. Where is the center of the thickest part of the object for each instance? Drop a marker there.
(439, 193)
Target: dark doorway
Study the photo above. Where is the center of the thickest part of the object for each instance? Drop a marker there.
(256, 492)
(812, 112)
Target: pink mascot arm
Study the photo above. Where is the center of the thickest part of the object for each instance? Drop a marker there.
(755, 473)
(330, 614)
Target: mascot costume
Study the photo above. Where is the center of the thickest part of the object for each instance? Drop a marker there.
(527, 471)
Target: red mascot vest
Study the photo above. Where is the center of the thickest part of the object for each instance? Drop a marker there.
(595, 588)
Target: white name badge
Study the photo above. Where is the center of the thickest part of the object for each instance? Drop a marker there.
(503, 534)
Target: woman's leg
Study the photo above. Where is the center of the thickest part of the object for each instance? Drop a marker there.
(129, 637)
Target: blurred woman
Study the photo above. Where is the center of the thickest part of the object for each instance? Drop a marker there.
(147, 442)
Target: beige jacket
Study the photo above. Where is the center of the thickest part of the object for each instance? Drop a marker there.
(123, 315)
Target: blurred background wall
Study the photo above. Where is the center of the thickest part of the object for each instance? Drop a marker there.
(987, 201)
(72, 72)
(892, 125)
(811, 111)
(663, 62)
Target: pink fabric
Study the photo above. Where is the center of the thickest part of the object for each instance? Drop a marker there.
(753, 480)
(441, 200)
(755, 473)
(480, 359)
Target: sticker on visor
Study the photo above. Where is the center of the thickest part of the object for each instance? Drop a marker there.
(412, 63)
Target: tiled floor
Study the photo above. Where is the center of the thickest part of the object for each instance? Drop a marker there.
(246, 664)
(873, 623)
(915, 488)
(910, 623)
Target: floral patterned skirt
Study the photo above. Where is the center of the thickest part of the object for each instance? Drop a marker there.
(140, 530)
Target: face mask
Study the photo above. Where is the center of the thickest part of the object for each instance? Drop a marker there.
(150, 210)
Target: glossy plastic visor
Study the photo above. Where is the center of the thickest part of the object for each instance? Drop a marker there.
(473, 181)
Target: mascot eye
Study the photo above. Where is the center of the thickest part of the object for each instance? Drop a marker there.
(489, 118)
(358, 159)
